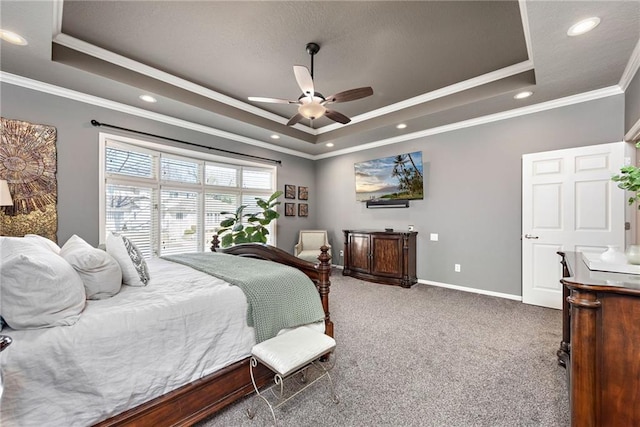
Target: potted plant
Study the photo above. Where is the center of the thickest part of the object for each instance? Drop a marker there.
(629, 179)
(232, 231)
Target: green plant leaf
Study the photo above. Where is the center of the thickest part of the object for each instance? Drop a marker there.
(227, 222)
(275, 196)
(238, 227)
(242, 238)
(226, 241)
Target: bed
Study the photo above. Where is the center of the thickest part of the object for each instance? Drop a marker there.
(121, 364)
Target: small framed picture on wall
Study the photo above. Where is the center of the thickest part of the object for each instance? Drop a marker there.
(303, 193)
(289, 191)
(303, 209)
(289, 209)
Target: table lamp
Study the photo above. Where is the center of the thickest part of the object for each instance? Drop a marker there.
(5, 195)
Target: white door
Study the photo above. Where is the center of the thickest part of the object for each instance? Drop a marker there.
(569, 203)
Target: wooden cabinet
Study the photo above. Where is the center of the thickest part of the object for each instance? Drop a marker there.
(601, 344)
(381, 256)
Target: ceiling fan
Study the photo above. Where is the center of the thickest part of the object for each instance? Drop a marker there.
(312, 104)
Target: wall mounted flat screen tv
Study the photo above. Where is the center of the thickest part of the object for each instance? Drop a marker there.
(390, 178)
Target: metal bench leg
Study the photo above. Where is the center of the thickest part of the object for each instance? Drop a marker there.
(251, 411)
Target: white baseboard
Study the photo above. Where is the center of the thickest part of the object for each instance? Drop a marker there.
(472, 290)
(460, 288)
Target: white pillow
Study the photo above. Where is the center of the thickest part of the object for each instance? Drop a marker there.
(134, 268)
(38, 288)
(43, 241)
(100, 273)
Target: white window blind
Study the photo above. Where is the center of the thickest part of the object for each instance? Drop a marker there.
(130, 163)
(214, 205)
(129, 211)
(221, 175)
(180, 216)
(258, 179)
(168, 203)
(178, 170)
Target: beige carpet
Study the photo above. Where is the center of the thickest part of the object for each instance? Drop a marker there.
(430, 356)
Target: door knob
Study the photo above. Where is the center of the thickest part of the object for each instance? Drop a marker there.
(529, 236)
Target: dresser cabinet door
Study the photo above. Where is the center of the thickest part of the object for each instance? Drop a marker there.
(387, 257)
(359, 252)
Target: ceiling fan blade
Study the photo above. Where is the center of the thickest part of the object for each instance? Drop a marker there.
(295, 119)
(272, 100)
(303, 77)
(350, 95)
(337, 117)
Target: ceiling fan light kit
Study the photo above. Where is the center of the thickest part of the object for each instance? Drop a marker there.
(312, 104)
(312, 108)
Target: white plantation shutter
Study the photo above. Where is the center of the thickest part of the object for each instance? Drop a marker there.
(130, 211)
(260, 179)
(179, 219)
(250, 201)
(221, 175)
(167, 203)
(179, 170)
(130, 163)
(214, 205)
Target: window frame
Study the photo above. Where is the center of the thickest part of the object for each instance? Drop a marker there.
(158, 184)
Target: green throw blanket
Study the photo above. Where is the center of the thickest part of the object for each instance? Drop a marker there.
(278, 296)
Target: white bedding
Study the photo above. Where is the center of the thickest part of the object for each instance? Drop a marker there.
(125, 350)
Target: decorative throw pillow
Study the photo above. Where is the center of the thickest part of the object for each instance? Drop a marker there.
(100, 273)
(43, 241)
(134, 268)
(38, 288)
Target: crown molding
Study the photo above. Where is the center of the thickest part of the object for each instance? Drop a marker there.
(531, 109)
(139, 112)
(631, 69)
(634, 133)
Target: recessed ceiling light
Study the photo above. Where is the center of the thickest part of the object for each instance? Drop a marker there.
(329, 144)
(523, 95)
(148, 98)
(13, 38)
(274, 136)
(583, 26)
(401, 126)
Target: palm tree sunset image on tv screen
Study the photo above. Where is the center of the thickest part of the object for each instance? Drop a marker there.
(390, 178)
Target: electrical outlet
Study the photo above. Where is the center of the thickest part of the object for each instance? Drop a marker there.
(456, 267)
(341, 253)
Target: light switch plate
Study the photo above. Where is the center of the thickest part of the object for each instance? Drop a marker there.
(434, 237)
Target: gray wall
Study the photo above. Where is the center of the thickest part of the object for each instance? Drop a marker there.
(472, 191)
(632, 103)
(77, 147)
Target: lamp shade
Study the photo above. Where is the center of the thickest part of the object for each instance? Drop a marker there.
(5, 195)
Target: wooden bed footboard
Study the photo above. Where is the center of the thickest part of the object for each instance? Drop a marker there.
(197, 400)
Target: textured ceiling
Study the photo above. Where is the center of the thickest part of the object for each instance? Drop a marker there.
(429, 63)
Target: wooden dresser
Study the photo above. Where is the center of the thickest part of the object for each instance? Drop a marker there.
(381, 256)
(601, 344)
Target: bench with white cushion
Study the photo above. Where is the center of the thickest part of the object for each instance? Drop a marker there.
(287, 354)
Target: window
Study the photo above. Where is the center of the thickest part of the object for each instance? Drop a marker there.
(169, 200)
